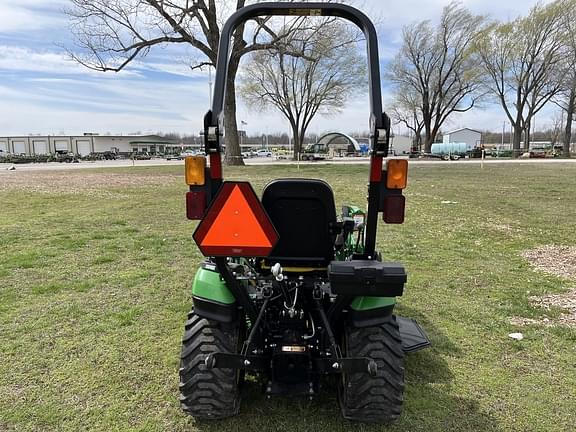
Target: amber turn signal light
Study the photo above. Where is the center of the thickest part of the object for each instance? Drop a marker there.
(397, 174)
(195, 170)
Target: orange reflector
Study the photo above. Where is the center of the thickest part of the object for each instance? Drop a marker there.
(195, 166)
(397, 174)
(236, 224)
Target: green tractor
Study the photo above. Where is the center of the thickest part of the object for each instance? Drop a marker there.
(288, 291)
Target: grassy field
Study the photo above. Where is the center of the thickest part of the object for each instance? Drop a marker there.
(95, 274)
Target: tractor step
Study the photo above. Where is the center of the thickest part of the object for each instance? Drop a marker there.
(414, 338)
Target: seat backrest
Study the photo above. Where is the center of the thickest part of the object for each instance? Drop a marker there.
(304, 214)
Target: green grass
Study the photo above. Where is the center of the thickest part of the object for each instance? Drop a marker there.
(95, 287)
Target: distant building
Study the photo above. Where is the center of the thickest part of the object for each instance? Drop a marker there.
(85, 144)
(400, 145)
(339, 143)
(471, 137)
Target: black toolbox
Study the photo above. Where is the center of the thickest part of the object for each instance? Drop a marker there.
(367, 278)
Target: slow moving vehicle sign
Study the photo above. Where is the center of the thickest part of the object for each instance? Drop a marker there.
(236, 224)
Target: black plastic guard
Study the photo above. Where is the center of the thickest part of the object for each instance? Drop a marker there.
(413, 336)
(215, 311)
(370, 317)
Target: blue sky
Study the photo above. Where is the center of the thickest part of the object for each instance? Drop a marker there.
(43, 92)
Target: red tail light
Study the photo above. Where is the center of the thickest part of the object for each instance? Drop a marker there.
(195, 204)
(393, 209)
(376, 169)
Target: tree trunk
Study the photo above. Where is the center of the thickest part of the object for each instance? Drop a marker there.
(415, 144)
(569, 119)
(527, 127)
(428, 140)
(516, 140)
(233, 154)
(297, 145)
(427, 126)
(419, 140)
(429, 137)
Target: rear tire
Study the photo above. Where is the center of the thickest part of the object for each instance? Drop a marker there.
(375, 399)
(208, 394)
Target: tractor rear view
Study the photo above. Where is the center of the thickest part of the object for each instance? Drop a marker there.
(289, 290)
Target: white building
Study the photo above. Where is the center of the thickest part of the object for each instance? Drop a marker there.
(471, 137)
(85, 144)
(400, 145)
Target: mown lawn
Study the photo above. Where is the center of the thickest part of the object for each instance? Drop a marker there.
(95, 273)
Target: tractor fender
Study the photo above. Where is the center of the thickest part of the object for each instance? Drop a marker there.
(212, 298)
(370, 311)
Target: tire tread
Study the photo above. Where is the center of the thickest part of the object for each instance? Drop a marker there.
(207, 393)
(376, 399)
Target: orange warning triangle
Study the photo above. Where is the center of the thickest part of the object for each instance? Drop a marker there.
(236, 225)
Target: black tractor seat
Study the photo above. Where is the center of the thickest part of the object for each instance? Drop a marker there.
(304, 214)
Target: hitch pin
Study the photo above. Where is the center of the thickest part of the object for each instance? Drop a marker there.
(277, 272)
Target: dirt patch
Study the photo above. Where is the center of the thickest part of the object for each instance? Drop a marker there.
(520, 321)
(76, 182)
(556, 260)
(565, 301)
(501, 227)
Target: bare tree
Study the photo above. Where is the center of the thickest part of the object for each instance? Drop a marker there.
(110, 34)
(567, 102)
(327, 70)
(566, 98)
(438, 66)
(568, 105)
(555, 132)
(405, 110)
(522, 62)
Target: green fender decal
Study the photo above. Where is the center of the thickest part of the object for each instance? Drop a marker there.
(366, 303)
(208, 285)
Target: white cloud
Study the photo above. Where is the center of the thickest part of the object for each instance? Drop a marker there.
(174, 68)
(18, 16)
(43, 92)
(392, 16)
(39, 120)
(13, 18)
(22, 59)
(48, 105)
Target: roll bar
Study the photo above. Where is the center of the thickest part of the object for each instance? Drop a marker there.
(379, 122)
